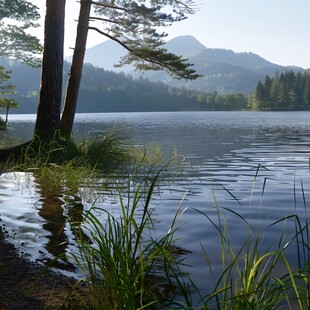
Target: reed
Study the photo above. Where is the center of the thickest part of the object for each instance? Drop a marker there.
(123, 262)
(101, 153)
(104, 152)
(252, 276)
(121, 257)
(70, 167)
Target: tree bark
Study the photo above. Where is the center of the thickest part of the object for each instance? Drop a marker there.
(7, 113)
(48, 116)
(72, 93)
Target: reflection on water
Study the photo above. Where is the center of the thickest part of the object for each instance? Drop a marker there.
(38, 224)
(52, 211)
(255, 163)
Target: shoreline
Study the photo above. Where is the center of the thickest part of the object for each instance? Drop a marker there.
(25, 284)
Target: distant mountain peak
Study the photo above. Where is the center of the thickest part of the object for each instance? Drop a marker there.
(109, 53)
(184, 46)
(223, 70)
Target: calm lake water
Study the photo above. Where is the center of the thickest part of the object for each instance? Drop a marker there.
(254, 163)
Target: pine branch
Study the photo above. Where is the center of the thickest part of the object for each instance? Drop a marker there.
(112, 38)
(110, 6)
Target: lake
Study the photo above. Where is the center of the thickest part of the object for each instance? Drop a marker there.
(253, 163)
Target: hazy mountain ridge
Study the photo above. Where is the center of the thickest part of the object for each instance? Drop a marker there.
(104, 90)
(223, 70)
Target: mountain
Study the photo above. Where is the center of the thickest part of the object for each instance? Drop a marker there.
(216, 55)
(105, 55)
(224, 71)
(184, 46)
(108, 53)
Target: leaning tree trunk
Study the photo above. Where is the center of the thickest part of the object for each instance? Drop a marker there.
(72, 93)
(48, 116)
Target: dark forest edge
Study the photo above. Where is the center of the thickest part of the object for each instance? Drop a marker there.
(107, 91)
(284, 92)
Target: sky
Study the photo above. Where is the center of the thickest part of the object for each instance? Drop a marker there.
(277, 30)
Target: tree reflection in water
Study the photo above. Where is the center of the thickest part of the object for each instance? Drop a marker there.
(59, 215)
(53, 212)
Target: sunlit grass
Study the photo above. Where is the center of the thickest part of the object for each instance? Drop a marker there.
(255, 275)
(104, 152)
(120, 261)
(69, 165)
(124, 263)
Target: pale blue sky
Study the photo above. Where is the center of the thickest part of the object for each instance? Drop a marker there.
(278, 30)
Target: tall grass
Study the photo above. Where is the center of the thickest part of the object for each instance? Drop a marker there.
(102, 153)
(253, 277)
(65, 167)
(124, 264)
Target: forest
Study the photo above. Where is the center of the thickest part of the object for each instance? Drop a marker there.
(287, 91)
(108, 91)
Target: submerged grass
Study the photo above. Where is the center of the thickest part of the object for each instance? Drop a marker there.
(66, 166)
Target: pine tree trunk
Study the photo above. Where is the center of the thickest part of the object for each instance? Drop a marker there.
(7, 114)
(48, 116)
(72, 93)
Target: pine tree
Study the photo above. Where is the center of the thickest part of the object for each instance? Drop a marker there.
(132, 24)
(6, 91)
(48, 116)
(17, 17)
(306, 92)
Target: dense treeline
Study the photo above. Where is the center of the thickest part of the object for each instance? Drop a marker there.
(107, 91)
(227, 102)
(287, 91)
